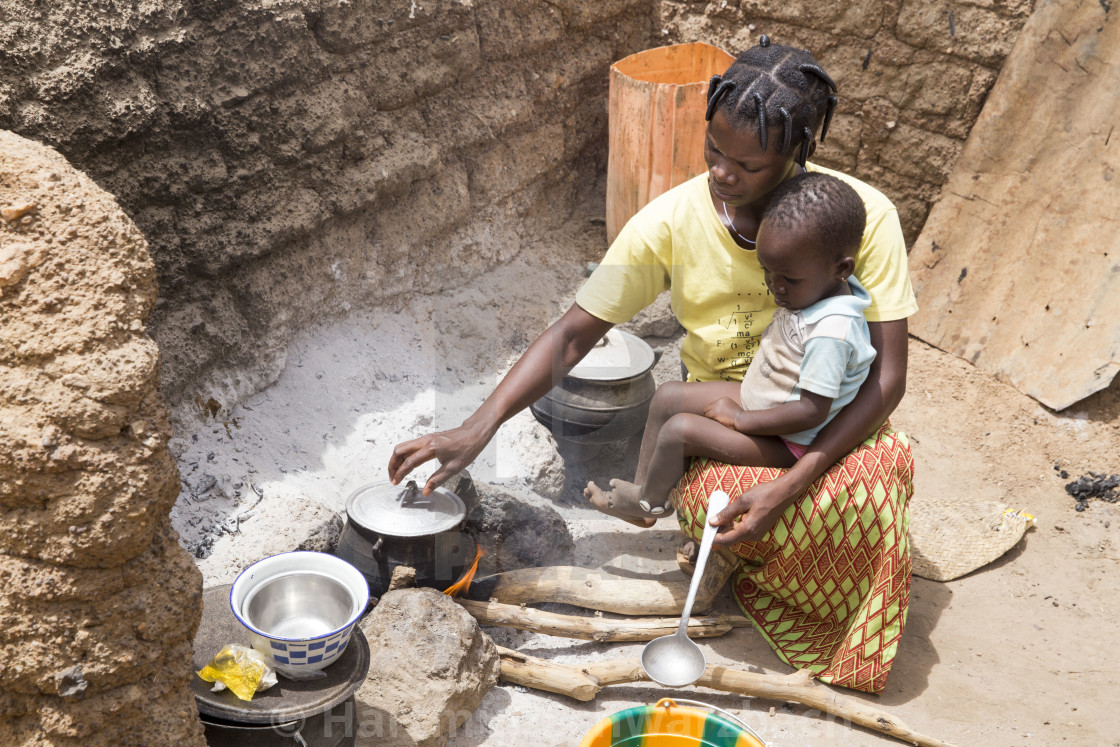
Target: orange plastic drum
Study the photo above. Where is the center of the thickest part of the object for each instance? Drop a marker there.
(657, 103)
(669, 724)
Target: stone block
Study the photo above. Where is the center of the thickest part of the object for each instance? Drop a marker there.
(567, 73)
(324, 536)
(517, 29)
(978, 34)
(515, 162)
(887, 67)
(517, 533)
(430, 666)
(840, 150)
(343, 28)
(414, 66)
(879, 116)
(656, 320)
(911, 197)
(912, 213)
(433, 206)
(919, 154)
(586, 14)
(862, 18)
(942, 88)
(585, 144)
(472, 120)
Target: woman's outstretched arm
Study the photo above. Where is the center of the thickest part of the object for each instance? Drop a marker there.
(761, 506)
(553, 354)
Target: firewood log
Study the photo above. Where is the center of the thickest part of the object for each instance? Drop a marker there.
(596, 628)
(598, 590)
(584, 683)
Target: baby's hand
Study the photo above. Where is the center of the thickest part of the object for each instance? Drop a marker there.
(724, 411)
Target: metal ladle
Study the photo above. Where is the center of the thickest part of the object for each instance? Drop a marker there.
(675, 660)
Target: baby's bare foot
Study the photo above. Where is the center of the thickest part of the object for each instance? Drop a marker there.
(624, 501)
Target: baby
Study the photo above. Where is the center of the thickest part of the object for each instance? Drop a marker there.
(810, 362)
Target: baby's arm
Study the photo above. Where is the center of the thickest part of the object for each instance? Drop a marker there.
(822, 371)
(789, 417)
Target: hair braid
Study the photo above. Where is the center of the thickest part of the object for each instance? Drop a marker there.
(772, 82)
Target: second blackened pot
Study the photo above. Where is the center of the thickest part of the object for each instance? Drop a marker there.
(606, 397)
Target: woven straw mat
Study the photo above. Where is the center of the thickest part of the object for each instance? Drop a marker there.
(951, 538)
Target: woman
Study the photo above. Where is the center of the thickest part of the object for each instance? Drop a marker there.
(696, 240)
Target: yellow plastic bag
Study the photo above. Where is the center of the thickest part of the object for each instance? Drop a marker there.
(243, 670)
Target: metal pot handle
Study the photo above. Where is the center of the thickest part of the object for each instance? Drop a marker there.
(668, 702)
(375, 550)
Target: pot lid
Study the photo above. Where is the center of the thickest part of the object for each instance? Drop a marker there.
(404, 511)
(619, 355)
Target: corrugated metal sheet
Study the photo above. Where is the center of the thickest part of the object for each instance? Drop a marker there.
(1018, 267)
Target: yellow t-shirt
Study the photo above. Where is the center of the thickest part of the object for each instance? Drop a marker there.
(677, 242)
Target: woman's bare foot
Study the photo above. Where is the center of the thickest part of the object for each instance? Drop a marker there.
(624, 501)
(687, 551)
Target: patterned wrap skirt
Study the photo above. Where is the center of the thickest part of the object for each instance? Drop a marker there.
(829, 585)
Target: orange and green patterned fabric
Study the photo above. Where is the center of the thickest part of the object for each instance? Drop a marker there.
(829, 585)
(675, 726)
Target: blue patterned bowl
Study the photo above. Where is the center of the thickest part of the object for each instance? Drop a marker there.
(299, 607)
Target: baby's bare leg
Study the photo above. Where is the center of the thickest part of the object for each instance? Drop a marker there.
(626, 500)
(672, 398)
(688, 435)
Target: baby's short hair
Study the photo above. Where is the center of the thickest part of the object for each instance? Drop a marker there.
(825, 208)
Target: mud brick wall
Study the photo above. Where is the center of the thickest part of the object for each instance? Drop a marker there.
(291, 160)
(913, 76)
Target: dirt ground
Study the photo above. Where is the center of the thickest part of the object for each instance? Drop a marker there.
(1012, 653)
(1018, 652)
(1015, 653)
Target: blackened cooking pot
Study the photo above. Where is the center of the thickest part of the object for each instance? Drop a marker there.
(606, 397)
(388, 526)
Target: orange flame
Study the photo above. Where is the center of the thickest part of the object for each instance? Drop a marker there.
(464, 583)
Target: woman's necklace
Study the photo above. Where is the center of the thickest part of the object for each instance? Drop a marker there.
(731, 225)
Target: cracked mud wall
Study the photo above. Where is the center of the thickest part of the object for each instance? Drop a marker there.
(98, 603)
(913, 76)
(293, 159)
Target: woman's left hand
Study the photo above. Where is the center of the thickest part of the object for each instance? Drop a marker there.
(760, 507)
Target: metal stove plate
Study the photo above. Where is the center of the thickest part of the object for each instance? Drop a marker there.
(287, 700)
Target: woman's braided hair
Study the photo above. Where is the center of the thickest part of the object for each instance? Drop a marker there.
(775, 85)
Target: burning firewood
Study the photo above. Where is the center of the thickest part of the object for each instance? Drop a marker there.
(464, 583)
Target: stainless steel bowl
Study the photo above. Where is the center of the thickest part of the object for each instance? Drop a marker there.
(299, 605)
(299, 608)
